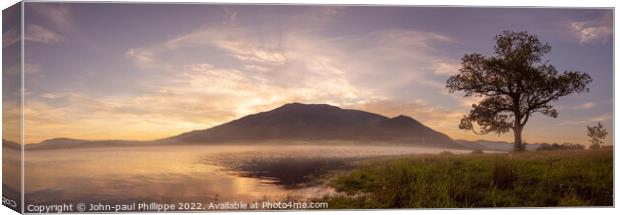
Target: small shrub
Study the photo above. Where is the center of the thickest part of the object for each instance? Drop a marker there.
(563, 146)
(477, 152)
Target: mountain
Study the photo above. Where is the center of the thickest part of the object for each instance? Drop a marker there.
(64, 143)
(313, 122)
(10, 144)
(292, 122)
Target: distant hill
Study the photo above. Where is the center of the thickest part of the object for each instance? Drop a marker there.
(10, 144)
(312, 122)
(64, 143)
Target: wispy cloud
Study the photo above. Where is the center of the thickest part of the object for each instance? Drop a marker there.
(142, 58)
(585, 106)
(582, 106)
(305, 61)
(61, 18)
(33, 33)
(58, 14)
(599, 30)
(587, 120)
(447, 68)
(11, 36)
(31, 68)
(37, 33)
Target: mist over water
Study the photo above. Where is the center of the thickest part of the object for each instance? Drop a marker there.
(192, 173)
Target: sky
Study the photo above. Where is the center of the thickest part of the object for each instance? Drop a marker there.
(148, 71)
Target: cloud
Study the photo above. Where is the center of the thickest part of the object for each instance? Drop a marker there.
(11, 36)
(15, 69)
(304, 61)
(58, 14)
(246, 52)
(11, 118)
(230, 16)
(447, 68)
(413, 38)
(599, 30)
(587, 120)
(37, 33)
(585, 106)
(142, 58)
(236, 41)
(31, 68)
(33, 33)
(464, 102)
(60, 19)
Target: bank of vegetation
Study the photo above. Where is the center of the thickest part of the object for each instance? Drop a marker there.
(525, 179)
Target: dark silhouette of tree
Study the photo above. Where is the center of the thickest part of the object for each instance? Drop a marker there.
(597, 134)
(514, 83)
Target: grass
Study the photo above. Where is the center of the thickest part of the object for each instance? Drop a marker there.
(527, 179)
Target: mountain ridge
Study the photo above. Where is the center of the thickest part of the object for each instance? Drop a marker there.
(295, 122)
(308, 122)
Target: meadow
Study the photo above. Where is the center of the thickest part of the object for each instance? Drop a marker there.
(525, 179)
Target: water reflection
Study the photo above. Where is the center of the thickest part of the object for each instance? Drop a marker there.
(171, 174)
(291, 172)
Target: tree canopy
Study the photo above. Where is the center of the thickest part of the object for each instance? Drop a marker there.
(597, 134)
(515, 83)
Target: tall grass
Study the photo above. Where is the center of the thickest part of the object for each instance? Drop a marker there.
(529, 179)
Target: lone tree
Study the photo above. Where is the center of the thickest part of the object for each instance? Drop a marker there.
(514, 84)
(597, 134)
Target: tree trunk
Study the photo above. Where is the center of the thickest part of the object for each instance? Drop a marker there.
(518, 142)
(517, 128)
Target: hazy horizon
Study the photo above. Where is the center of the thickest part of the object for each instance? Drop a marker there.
(260, 141)
(154, 71)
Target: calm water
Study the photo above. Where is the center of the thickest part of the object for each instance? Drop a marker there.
(171, 174)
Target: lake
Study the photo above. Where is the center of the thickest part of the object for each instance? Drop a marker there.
(193, 173)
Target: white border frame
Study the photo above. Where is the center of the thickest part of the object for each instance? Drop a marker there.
(469, 3)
